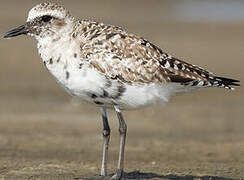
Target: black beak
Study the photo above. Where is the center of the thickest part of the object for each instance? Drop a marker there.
(17, 31)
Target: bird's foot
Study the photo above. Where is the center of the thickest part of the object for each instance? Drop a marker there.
(95, 178)
(117, 176)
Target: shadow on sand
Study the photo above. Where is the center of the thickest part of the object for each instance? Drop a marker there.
(140, 175)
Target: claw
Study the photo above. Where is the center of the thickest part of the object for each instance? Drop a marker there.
(117, 176)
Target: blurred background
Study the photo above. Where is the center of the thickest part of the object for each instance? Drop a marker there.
(45, 133)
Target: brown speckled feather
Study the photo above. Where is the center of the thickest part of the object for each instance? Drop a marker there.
(130, 58)
(110, 68)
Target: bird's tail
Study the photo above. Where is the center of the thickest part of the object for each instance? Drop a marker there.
(223, 82)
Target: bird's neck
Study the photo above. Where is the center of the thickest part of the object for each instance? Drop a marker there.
(53, 44)
(54, 34)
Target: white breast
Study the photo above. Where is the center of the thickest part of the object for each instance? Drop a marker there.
(74, 75)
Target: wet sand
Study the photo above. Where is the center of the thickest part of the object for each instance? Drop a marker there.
(45, 134)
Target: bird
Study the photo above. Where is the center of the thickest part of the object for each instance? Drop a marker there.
(111, 68)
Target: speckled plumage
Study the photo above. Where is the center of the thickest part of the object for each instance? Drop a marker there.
(132, 59)
(107, 66)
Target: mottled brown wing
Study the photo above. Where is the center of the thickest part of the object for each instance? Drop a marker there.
(119, 55)
(130, 58)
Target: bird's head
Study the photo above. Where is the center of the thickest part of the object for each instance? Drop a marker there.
(44, 20)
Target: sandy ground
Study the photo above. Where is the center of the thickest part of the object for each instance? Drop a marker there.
(44, 134)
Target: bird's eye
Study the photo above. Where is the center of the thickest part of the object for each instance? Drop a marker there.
(46, 18)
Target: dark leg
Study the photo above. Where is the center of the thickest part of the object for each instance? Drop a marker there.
(122, 132)
(106, 137)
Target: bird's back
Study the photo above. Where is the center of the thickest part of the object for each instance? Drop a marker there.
(133, 59)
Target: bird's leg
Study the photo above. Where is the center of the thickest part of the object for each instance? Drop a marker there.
(122, 132)
(106, 137)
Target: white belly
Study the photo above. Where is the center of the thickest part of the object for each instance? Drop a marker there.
(89, 85)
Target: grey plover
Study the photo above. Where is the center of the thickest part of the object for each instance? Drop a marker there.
(109, 67)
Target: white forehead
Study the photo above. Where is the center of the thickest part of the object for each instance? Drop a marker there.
(51, 9)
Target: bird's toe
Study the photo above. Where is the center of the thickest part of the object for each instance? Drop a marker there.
(117, 176)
